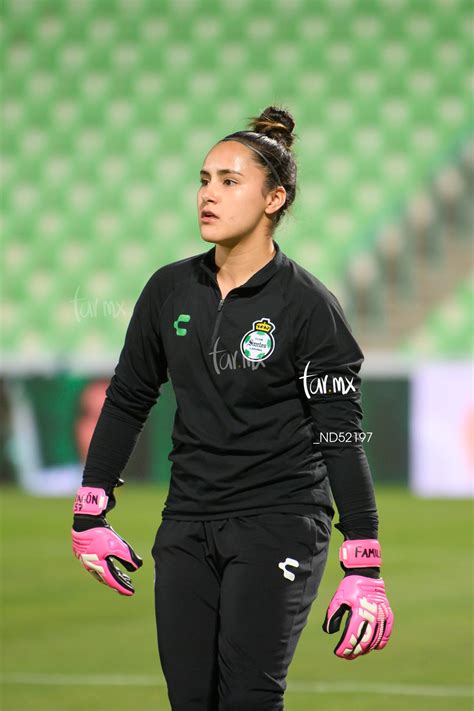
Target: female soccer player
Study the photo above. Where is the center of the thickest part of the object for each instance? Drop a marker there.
(268, 423)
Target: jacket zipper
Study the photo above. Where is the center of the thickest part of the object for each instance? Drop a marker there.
(218, 320)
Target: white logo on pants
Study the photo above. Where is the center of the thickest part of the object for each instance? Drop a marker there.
(287, 573)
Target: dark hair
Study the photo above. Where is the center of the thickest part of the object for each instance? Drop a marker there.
(271, 136)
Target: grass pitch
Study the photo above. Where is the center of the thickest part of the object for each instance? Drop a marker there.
(71, 644)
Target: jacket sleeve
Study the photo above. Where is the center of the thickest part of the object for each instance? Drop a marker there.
(328, 361)
(133, 390)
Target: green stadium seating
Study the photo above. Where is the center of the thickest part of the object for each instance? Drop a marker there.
(110, 107)
(448, 330)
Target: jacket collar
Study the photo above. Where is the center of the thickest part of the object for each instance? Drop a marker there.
(208, 264)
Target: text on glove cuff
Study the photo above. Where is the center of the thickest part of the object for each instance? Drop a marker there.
(360, 553)
(90, 500)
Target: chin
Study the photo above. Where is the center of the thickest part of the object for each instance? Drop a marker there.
(228, 242)
(211, 235)
(209, 238)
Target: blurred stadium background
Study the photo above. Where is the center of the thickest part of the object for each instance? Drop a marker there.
(108, 109)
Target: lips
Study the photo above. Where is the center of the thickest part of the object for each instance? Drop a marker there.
(208, 213)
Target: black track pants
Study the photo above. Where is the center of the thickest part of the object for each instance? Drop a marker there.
(232, 597)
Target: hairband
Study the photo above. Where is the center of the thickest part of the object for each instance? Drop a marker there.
(245, 143)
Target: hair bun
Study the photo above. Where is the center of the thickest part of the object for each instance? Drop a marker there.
(275, 123)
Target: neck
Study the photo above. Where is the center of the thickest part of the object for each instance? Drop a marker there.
(236, 264)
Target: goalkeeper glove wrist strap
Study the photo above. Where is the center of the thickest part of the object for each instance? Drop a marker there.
(360, 553)
(90, 500)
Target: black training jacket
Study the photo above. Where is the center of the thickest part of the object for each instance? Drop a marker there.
(268, 395)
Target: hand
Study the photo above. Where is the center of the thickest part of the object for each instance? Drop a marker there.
(370, 620)
(95, 543)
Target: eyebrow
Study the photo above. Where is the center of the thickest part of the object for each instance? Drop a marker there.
(223, 171)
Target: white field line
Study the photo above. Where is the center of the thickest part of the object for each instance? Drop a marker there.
(302, 687)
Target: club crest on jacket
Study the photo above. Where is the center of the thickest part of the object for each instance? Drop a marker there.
(258, 343)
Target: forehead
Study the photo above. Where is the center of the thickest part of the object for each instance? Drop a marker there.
(232, 155)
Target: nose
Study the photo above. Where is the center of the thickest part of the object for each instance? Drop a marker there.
(208, 194)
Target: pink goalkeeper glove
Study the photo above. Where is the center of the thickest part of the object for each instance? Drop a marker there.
(370, 619)
(98, 544)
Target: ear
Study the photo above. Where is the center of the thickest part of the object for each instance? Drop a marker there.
(275, 199)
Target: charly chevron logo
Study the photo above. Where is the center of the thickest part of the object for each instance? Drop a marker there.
(287, 573)
(185, 318)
